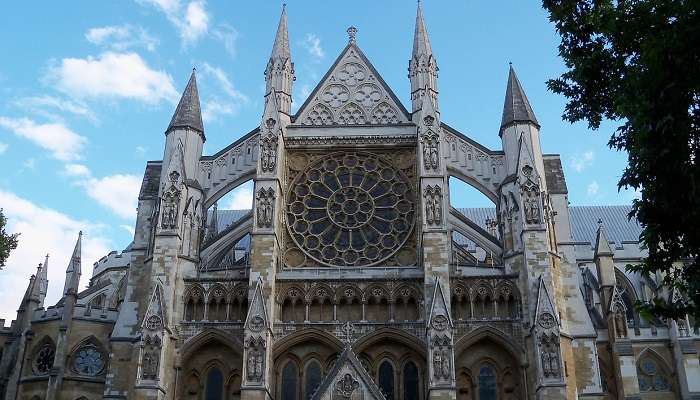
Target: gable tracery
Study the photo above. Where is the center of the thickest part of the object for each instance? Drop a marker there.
(351, 94)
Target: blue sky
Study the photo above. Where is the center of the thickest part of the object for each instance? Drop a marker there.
(88, 89)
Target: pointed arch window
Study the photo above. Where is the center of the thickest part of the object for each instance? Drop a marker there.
(487, 383)
(312, 378)
(43, 359)
(410, 381)
(215, 385)
(386, 380)
(289, 381)
(651, 376)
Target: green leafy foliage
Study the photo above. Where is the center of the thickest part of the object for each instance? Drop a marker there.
(8, 242)
(638, 63)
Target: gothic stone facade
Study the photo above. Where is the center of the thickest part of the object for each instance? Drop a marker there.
(352, 276)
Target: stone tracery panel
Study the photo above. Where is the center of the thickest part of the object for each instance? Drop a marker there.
(351, 95)
(350, 209)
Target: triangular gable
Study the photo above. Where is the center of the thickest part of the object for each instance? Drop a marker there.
(545, 314)
(438, 307)
(154, 319)
(352, 93)
(256, 319)
(526, 159)
(348, 379)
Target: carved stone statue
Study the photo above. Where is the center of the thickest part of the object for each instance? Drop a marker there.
(171, 201)
(149, 364)
(532, 208)
(620, 323)
(445, 366)
(268, 153)
(433, 205)
(265, 207)
(431, 151)
(437, 364)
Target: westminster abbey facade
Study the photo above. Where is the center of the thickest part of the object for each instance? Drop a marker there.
(353, 276)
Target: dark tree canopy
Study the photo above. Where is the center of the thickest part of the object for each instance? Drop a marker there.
(8, 242)
(638, 63)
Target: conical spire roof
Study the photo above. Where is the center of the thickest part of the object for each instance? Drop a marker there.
(602, 245)
(188, 113)
(516, 107)
(421, 43)
(73, 271)
(42, 278)
(281, 47)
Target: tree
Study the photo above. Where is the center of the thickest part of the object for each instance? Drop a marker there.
(8, 242)
(637, 62)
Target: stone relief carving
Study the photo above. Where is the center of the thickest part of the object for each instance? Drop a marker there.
(319, 115)
(268, 153)
(346, 386)
(546, 320)
(352, 114)
(335, 95)
(442, 358)
(151, 358)
(433, 205)
(549, 356)
(531, 197)
(384, 113)
(431, 150)
(265, 204)
(255, 360)
(171, 204)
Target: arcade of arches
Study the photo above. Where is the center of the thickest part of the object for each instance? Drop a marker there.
(486, 368)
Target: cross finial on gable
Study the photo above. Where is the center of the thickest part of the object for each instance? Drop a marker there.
(352, 34)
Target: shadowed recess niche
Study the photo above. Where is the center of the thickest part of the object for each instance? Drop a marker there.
(351, 209)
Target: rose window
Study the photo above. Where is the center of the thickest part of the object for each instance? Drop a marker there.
(43, 361)
(88, 361)
(350, 209)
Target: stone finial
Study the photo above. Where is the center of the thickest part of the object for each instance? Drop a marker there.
(352, 34)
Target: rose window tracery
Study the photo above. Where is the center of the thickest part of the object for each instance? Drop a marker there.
(350, 209)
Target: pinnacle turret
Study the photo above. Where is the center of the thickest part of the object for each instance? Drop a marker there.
(188, 113)
(602, 245)
(422, 68)
(74, 269)
(279, 73)
(516, 107)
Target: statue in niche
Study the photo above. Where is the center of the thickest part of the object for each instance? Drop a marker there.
(549, 356)
(255, 361)
(620, 323)
(268, 153)
(431, 151)
(433, 205)
(445, 366)
(532, 208)
(265, 207)
(171, 202)
(150, 363)
(437, 364)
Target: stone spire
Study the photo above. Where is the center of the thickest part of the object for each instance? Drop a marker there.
(279, 73)
(602, 245)
(42, 280)
(188, 113)
(422, 69)
(516, 107)
(213, 228)
(73, 271)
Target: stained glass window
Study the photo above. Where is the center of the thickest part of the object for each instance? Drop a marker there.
(487, 383)
(215, 385)
(386, 380)
(350, 209)
(43, 361)
(312, 378)
(289, 382)
(651, 378)
(88, 361)
(410, 381)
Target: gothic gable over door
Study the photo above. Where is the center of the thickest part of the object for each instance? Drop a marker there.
(351, 93)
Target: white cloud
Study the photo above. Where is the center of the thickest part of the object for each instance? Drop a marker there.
(192, 20)
(582, 161)
(63, 143)
(592, 188)
(120, 75)
(140, 151)
(227, 35)
(3, 147)
(44, 230)
(119, 193)
(29, 163)
(224, 82)
(79, 170)
(39, 105)
(121, 37)
(313, 46)
(240, 198)
(128, 228)
(212, 109)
